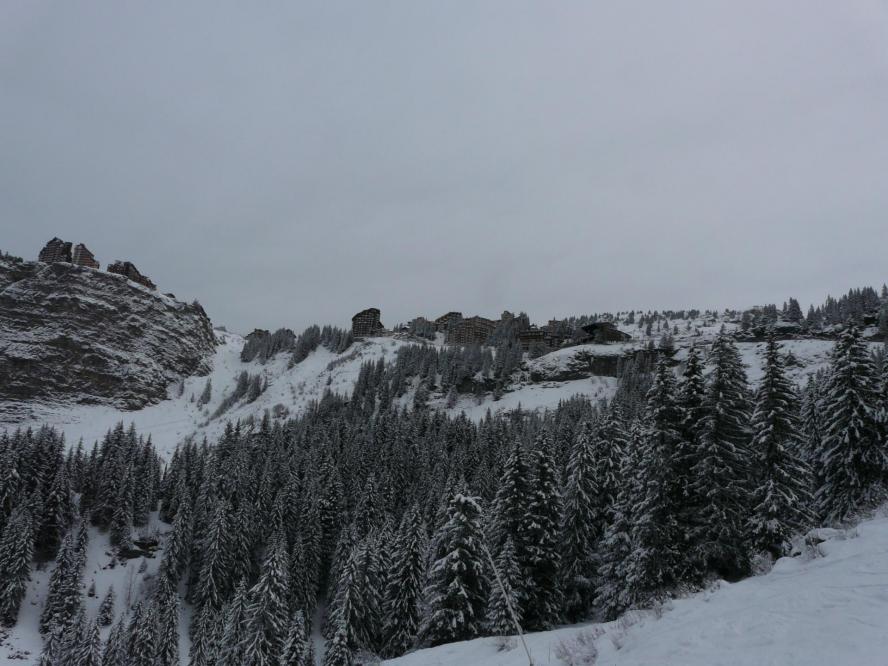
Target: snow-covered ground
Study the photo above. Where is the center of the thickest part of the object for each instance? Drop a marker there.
(825, 611)
(544, 395)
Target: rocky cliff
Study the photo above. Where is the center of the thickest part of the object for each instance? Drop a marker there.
(77, 335)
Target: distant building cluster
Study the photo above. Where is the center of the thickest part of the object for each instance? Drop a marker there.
(60, 251)
(477, 330)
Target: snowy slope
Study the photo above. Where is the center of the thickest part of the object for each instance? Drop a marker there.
(805, 612)
(178, 417)
(23, 643)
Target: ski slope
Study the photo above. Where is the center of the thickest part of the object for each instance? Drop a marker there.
(821, 611)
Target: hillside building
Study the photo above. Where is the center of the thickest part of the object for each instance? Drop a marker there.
(444, 322)
(471, 331)
(603, 332)
(55, 251)
(83, 257)
(128, 270)
(367, 324)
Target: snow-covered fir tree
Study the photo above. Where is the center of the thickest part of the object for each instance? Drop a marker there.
(654, 562)
(105, 615)
(722, 471)
(295, 649)
(853, 459)
(458, 587)
(583, 522)
(16, 550)
(504, 605)
(404, 592)
(268, 611)
(542, 603)
(782, 482)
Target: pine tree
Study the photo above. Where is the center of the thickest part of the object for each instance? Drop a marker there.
(121, 528)
(852, 463)
(234, 621)
(142, 638)
(511, 508)
(296, 643)
(63, 595)
(204, 640)
(812, 424)
(54, 647)
(721, 469)
(611, 595)
(338, 652)
(692, 407)
(405, 586)
(504, 601)
(57, 515)
(882, 399)
(653, 564)
(583, 520)
(167, 624)
(175, 555)
(106, 609)
(268, 613)
(114, 653)
(457, 590)
(782, 493)
(88, 650)
(356, 607)
(16, 550)
(213, 582)
(543, 600)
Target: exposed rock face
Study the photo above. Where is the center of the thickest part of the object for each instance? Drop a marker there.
(70, 334)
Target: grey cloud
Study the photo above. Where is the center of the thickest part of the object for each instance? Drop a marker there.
(290, 163)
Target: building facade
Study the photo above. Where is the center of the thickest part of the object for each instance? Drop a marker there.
(128, 270)
(83, 257)
(471, 331)
(55, 251)
(367, 324)
(444, 322)
(604, 332)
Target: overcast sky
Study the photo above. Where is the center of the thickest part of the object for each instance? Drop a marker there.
(293, 162)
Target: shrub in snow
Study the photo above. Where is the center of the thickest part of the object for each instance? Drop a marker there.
(762, 563)
(621, 628)
(505, 643)
(579, 649)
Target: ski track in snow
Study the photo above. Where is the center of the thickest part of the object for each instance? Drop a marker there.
(826, 611)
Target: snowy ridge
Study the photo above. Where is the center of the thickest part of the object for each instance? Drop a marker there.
(806, 612)
(541, 384)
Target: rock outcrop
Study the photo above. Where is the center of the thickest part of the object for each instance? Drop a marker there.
(70, 334)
